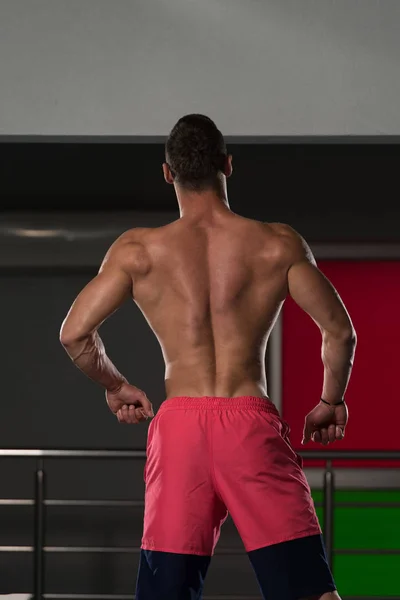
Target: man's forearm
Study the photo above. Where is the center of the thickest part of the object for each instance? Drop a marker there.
(337, 357)
(89, 356)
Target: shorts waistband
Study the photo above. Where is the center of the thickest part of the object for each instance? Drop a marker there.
(220, 403)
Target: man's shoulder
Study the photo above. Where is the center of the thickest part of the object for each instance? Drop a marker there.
(129, 250)
(135, 248)
(282, 233)
(282, 230)
(144, 235)
(289, 242)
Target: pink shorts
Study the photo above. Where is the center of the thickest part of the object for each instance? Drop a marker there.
(207, 456)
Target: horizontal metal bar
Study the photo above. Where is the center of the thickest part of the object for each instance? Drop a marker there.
(308, 454)
(130, 597)
(91, 503)
(16, 502)
(361, 505)
(140, 503)
(103, 550)
(122, 550)
(96, 503)
(224, 597)
(16, 548)
(36, 453)
(131, 550)
(363, 551)
(371, 597)
(221, 552)
(350, 455)
(355, 478)
(88, 596)
(91, 550)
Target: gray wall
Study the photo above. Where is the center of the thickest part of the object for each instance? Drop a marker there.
(260, 67)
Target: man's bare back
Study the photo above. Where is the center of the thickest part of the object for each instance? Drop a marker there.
(211, 291)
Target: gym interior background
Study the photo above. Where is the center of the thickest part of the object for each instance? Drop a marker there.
(307, 94)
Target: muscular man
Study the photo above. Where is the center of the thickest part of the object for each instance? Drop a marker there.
(211, 285)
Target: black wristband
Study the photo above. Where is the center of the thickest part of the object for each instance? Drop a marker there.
(335, 404)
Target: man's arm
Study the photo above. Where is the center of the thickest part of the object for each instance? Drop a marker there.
(79, 336)
(98, 300)
(312, 291)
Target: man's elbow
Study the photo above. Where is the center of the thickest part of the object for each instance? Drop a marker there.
(349, 335)
(72, 338)
(344, 334)
(66, 334)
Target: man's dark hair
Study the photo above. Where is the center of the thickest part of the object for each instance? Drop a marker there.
(196, 152)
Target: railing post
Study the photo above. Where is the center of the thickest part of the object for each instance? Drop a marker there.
(329, 499)
(39, 532)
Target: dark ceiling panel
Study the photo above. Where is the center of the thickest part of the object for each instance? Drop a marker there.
(325, 184)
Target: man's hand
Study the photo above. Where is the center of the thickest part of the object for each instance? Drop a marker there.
(129, 404)
(325, 424)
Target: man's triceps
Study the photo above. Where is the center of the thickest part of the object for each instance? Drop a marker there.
(79, 333)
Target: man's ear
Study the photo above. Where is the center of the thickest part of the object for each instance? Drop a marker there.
(167, 173)
(228, 168)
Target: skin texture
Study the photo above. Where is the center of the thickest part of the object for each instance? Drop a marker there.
(211, 286)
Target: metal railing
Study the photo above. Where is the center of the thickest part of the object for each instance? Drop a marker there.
(40, 502)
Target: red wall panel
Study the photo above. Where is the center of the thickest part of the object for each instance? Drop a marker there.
(371, 293)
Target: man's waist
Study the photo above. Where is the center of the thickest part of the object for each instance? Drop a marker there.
(259, 403)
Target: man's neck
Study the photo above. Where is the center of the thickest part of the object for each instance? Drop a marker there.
(197, 205)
